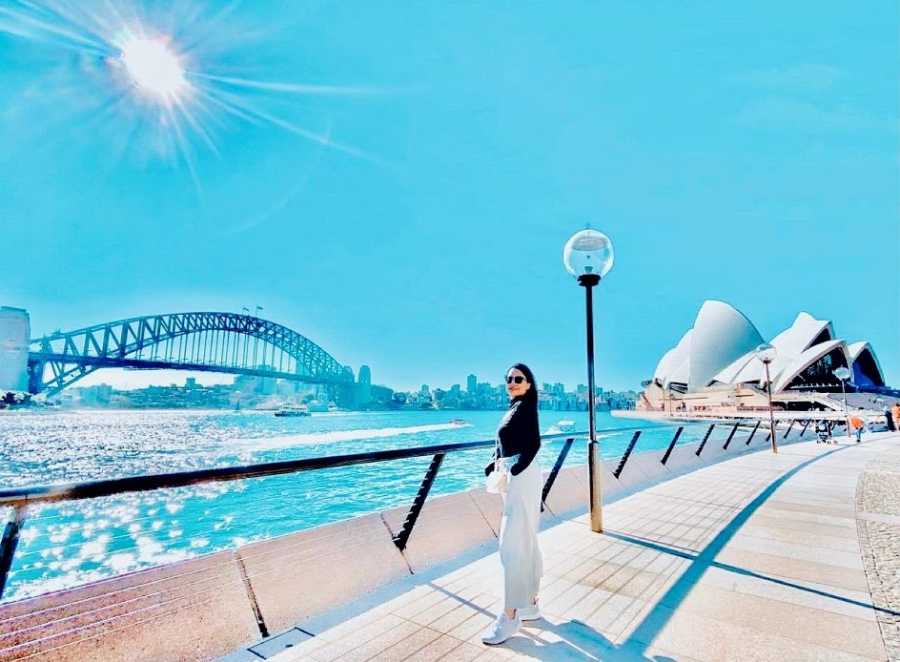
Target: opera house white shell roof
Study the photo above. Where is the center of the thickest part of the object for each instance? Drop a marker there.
(720, 349)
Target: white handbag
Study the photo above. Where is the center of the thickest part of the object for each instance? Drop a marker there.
(497, 481)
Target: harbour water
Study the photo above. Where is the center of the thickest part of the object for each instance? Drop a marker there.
(71, 543)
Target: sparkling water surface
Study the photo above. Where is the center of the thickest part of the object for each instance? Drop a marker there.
(70, 543)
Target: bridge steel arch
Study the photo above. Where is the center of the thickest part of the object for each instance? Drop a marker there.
(72, 355)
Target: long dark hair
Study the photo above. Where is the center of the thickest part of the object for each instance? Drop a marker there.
(531, 395)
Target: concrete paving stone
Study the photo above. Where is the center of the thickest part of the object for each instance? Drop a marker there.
(788, 535)
(880, 543)
(446, 623)
(797, 551)
(878, 517)
(439, 648)
(819, 504)
(561, 603)
(376, 647)
(464, 652)
(879, 492)
(408, 647)
(632, 582)
(424, 602)
(800, 516)
(659, 563)
(560, 641)
(355, 631)
(355, 623)
(803, 570)
(433, 613)
(808, 594)
(471, 629)
(711, 640)
(784, 619)
(610, 616)
(552, 588)
(771, 520)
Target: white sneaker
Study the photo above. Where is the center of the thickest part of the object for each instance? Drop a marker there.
(501, 630)
(530, 613)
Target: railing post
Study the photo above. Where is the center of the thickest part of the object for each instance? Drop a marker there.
(618, 471)
(731, 436)
(788, 431)
(705, 439)
(750, 438)
(671, 447)
(805, 425)
(403, 537)
(8, 544)
(567, 446)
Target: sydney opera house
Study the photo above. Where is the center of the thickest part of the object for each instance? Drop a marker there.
(715, 366)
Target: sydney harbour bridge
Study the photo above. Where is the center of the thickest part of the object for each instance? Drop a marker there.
(202, 341)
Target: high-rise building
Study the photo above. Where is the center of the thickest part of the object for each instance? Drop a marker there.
(471, 384)
(424, 391)
(15, 330)
(363, 387)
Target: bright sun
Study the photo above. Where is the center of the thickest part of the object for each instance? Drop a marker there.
(154, 67)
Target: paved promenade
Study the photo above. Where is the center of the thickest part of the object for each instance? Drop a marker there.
(755, 558)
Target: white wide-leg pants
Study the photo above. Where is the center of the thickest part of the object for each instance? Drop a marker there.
(523, 565)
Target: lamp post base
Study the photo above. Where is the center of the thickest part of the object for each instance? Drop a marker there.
(596, 486)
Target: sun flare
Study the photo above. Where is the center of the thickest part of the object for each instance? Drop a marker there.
(154, 67)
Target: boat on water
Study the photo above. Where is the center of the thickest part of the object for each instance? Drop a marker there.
(458, 421)
(566, 425)
(293, 410)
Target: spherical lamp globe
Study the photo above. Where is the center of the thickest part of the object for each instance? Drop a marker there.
(766, 353)
(842, 373)
(588, 253)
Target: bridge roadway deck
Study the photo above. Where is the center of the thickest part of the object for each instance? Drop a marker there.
(756, 558)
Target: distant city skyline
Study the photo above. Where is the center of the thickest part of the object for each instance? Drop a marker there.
(397, 183)
(121, 379)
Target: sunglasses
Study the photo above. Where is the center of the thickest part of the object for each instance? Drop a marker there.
(518, 379)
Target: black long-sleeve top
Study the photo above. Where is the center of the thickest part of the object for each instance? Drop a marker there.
(519, 434)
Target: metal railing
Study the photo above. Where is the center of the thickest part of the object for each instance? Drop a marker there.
(20, 499)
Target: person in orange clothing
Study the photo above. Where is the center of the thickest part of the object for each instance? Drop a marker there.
(895, 413)
(857, 424)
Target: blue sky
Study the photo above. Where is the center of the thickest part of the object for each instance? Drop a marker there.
(747, 154)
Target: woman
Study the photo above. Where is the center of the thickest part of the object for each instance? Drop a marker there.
(519, 440)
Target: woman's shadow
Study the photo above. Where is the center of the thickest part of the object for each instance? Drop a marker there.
(575, 640)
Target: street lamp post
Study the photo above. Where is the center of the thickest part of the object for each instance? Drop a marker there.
(843, 374)
(588, 255)
(766, 353)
